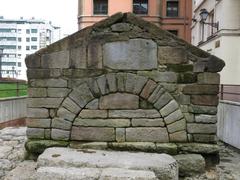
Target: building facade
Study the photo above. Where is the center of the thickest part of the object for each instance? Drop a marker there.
(172, 15)
(21, 37)
(223, 40)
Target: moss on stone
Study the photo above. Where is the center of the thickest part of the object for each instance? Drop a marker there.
(36, 147)
(180, 67)
(187, 78)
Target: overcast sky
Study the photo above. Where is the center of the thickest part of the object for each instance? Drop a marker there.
(62, 13)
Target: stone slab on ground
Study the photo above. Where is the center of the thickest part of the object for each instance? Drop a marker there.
(163, 165)
(49, 173)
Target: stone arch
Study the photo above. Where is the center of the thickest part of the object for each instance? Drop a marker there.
(108, 108)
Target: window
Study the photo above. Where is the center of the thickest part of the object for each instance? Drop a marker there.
(100, 7)
(19, 64)
(28, 31)
(34, 30)
(19, 47)
(27, 48)
(140, 6)
(34, 47)
(8, 39)
(9, 63)
(8, 47)
(27, 39)
(7, 30)
(172, 9)
(33, 38)
(19, 39)
(175, 32)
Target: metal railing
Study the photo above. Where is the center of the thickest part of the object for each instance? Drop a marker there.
(12, 88)
(229, 92)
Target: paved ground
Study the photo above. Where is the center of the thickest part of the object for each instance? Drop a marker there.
(12, 164)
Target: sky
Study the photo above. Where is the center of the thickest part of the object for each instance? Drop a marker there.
(62, 13)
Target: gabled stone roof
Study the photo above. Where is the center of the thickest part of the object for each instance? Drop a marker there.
(99, 33)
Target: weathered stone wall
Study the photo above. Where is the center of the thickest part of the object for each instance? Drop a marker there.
(123, 80)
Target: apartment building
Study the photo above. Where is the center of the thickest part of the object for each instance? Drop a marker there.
(172, 15)
(217, 31)
(21, 37)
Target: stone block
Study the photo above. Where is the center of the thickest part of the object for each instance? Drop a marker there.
(139, 113)
(119, 101)
(44, 102)
(163, 100)
(208, 78)
(180, 67)
(156, 94)
(177, 126)
(167, 148)
(144, 122)
(47, 134)
(55, 73)
(70, 105)
(33, 61)
(93, 134)
(180, 136)
(202, 118)
(204, 100)
(58, 59)
(169, 87)
(171, 55)
(169, 108)
(201, 89)
(121, 81)
(195, 128)
(102, 84)
(57, 92)
(183, 99)
(147, 135)
(65, 114)
(187, 77)
(37, 92)
(37, 113)
(118, 173)
(78, 57)
(157, 76)
(95, 56)
(199, 148)
(58, 134)
(38, 123)
(52, 113)
(112, 82)
(88, 145)
(204, 138)
(189, 117)
(190, 164)
(173, 117)
(81, 95)
(203, 110)
(121, 27)
(148, 89)
(60, 123)
(58, 83)
(134, 83)
(102, 122)
(135, 54)
(133, 146)
(120, 134)
(92, 84)
(38, 73)
(88, 114)
(35, 133)
(93, 105)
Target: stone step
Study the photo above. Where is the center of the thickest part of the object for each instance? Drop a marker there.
(50, 173)
(164, 166)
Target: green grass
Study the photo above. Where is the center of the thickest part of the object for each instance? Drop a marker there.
(9, 90)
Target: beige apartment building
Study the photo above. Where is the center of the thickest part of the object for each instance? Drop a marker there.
(172, 15)
(219, 34)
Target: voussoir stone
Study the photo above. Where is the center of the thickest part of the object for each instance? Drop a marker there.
(175, 116)
(135, 83)
(180, 136)
(169, 108)
(156, 94)
(135, 54)
(150, 134)
(70, 105)
(177, 126)
(119, 101)
(162, 101)
(148, 89)
(65, 114)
